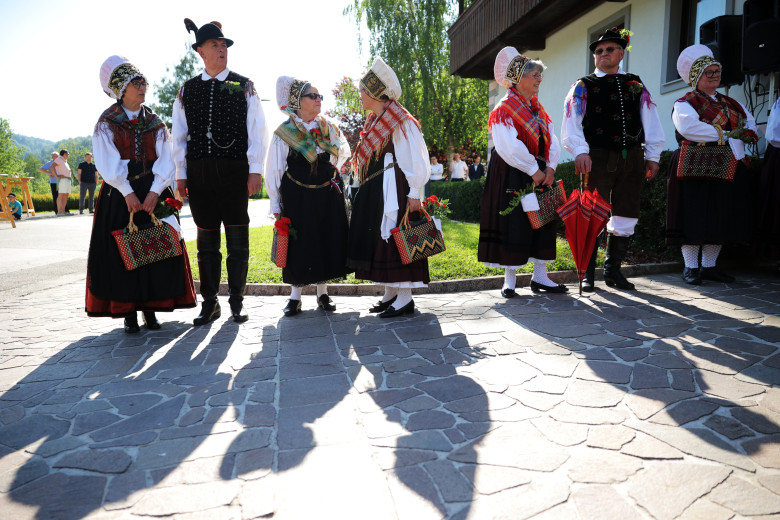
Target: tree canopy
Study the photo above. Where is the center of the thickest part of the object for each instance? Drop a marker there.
(10, 154)
(168, 87)
(411, 36)
(348, 112)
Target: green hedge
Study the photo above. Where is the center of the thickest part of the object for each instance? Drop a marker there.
(465, 198)
(44, 202)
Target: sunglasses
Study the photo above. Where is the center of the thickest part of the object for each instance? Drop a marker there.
(599, 52)
(313, 96)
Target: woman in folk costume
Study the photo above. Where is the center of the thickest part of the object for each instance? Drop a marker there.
(391, 162)
(131, 145)
(303, 184)
(526, 152)
(701, 214)
(768, 236)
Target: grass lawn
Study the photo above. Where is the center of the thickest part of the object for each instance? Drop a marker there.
(458, 261)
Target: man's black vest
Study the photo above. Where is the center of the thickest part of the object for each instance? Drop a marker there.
(217, 108)
(612, 112)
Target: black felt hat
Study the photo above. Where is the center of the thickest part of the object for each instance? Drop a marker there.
(207, 32)
(610, 35)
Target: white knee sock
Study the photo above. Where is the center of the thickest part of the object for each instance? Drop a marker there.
(295, 293)
(404, 297)
(390, 293)
(322, 288)
(540, 273)
(510, 278)
(690, 256)
(709, 255)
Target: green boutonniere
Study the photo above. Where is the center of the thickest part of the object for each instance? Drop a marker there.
(232, 87)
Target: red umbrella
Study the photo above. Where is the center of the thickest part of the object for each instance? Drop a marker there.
(585, 215)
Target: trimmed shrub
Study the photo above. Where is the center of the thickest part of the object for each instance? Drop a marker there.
(44, 202)
(465, 198)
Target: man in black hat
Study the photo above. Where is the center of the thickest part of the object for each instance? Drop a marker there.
(608, 116)
(219, 142)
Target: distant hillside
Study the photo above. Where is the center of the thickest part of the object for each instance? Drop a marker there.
(41, 148)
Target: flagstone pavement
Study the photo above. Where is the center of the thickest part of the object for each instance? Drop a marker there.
(661, 403)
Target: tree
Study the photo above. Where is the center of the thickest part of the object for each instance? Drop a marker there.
(349, 111)
(10, 154)
(411, 35)
(168, 87)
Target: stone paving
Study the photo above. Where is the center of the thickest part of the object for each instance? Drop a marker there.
(657, 404)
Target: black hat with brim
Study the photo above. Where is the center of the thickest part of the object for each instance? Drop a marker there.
(609, 36)
(207, 32)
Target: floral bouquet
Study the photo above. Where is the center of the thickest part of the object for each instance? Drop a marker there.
(437, 208)
(167, 207)
(515, 200)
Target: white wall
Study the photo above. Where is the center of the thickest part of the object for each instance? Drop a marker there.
(567, 50)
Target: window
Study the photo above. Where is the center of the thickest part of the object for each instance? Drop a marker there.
(683, 20)
(619, 20)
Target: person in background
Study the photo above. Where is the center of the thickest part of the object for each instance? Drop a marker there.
(63, 172)
(437, 173)
(702, 215)
(476, 169)
(611, 127)
(87, 177)
(48, 170)
(14, 206)
(458, 169)
(219, 144)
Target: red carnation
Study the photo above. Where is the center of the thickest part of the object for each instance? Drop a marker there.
(175, 204)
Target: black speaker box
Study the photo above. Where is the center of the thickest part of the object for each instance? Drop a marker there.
(761, 36)
(723, 35)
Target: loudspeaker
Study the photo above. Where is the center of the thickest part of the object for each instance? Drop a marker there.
(723, 35)
(761, 42)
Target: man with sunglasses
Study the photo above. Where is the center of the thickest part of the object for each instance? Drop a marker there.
(611, 127)
(219, 145)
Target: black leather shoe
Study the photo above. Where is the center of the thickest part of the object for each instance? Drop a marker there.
(293, 308)
(536, 287)
(150, 320)
(382, 306)
(238, 313)
(326, 303)
(392, 312)
(614, 278)
(209, 311)
(588, 285)
(508, 293)
(712, 273)
(131, 324)
(692, 275)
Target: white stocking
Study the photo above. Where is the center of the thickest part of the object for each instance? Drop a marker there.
(295, 293)
(709, 255)
(404, 297)
(691, 256)
(322, 288)
(510, 278)
(390, 293)
(540, 273)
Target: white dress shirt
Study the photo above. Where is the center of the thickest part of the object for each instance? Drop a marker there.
(459, 170)
(773, 126)
(573, 138)
(437, 172)
(258, 135)
(276, 163)
(515, 153)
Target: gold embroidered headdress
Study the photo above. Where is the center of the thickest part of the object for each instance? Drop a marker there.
(381, 80)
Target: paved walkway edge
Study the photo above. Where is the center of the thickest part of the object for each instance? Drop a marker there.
(446, 286)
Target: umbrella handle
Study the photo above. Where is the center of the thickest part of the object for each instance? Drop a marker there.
(584, 180)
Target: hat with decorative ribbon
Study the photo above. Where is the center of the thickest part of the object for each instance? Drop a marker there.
(207, 32)
(115, 74)
(619, 36)
(692, 62)
(509, 66)
(381, 80)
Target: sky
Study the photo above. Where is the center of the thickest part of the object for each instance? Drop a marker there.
(52, 86)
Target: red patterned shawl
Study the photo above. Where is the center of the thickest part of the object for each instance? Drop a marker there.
(375, 135)
(725, 112)
(529, 119)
